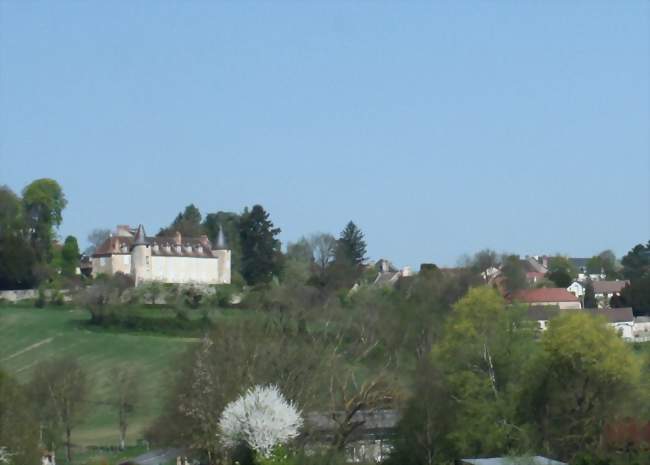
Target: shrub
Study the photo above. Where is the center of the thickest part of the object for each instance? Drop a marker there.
(41, 300)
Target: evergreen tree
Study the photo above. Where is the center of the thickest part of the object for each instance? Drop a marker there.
(70, 256)
(188, 223)
(590, 296)
(261, 256)
(351, 246)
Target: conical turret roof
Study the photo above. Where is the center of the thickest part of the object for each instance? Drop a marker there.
(221, 240)
(140, 237)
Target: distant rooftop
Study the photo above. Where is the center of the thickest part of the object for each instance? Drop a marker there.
(534, 460)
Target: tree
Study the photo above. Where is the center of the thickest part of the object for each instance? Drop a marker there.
(351, 246)
(581, 379)
(125, 398)
(423, 432)
(11, 214)
(483, 261)
(513, 274)
(43, 204)
(262, 418)
(96, 238)
(188, 223)
(604, 262)
(228, 359)
(636, 262)
(60, 388)
(636, 295)
(18, 425)
(17, 263)
(561, 271)
(298, 262)
(323, 246)
(590, 296)
(17, 257)
(70, 256)
(261, 256)
(482, 355)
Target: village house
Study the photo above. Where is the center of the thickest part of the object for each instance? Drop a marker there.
(577, 289)
(605, 290)
(621, 319)
(175, 259)
(369, 440)
(553, 296)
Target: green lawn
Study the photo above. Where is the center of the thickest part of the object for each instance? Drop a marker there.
(30, 335)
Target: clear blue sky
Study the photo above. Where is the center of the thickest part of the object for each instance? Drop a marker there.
(440, 128)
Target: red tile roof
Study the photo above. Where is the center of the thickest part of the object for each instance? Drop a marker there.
(544, 294)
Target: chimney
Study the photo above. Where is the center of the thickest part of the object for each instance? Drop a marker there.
(178, 239)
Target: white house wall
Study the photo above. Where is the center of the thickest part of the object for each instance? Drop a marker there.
(184, 270)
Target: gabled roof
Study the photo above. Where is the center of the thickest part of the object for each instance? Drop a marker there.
(609, 287)
(613, 315)
(544, 294)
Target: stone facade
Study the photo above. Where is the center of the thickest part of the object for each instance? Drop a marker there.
(167, 260)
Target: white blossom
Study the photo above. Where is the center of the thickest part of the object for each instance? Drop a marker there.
(262, 418)
(5, 455)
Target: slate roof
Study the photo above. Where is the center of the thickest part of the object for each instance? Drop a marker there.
(613, 315)
(548, 312)
(544, 294)
(535, 460)
(373, 422)
(609, 287)
(579, 263)
(190, 246)
(542, 312)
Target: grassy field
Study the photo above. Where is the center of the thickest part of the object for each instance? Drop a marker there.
(30, 335)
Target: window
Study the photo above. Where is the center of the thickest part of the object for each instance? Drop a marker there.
(102, 261)
(127, 259)
(146, 259)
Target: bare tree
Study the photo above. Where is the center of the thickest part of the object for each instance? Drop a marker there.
(61, 387)
(323, 246)
(125, 398)
(96, 237)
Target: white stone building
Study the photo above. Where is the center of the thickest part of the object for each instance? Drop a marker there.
(167, 260)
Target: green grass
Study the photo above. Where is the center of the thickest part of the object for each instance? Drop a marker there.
(29, 336)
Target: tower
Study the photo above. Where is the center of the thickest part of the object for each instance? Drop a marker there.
(140, 257)
(223, 254)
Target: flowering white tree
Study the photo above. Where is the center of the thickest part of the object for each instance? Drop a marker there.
(5, 455)
(262, 418)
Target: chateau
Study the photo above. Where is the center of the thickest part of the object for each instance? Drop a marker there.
(164, 259)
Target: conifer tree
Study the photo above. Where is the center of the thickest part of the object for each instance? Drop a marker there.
(261, 257)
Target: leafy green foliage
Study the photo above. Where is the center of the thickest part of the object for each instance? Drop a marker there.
(580, 380)
(70, 256)
(636, 262)
(513, 273)
(43, 203)
(561, 271)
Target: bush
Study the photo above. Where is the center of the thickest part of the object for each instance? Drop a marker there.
(41, 300)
